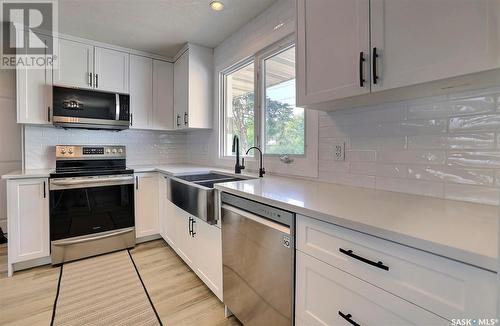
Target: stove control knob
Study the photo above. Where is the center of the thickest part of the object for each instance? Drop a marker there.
(108, 151)
(114, 150)
(70, 151)
(120, 151)
(63, 151)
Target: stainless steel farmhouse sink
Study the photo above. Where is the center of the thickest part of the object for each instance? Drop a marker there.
(195, 193)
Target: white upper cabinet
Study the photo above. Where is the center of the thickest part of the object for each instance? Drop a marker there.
(111, 70)
(75, 64)
(151, 93)
(141, 91)
(193, 88)
(427, 40)
(34, 93)
(393, 45)
(27, 220)
(163, 95)
(85, 66)
(333, 47)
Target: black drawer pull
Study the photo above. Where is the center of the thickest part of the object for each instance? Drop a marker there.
(378, 264)
(374, 65)
(348, 317)
(361, 77)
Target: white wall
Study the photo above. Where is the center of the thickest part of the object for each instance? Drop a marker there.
(143, 147)
(10, 136)
(446, 147)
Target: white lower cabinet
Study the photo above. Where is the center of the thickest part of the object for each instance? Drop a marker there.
(27, 220)
(146, 205)
(446, 287)
(186, 241)
(198, 243)
(325, 295)
(209, 255)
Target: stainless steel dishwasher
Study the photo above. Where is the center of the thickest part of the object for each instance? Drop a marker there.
(258, 256)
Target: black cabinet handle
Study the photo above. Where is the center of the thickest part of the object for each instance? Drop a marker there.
(131, 119)
(90, 79)
(189, 226)
(374, 65)
(96, 81)
(348, 318)
(185, 118)
(178, 123)
(192, 227)
(136, 183)
(378, 264)
(361, 77)
(48, 113)
(44, 191)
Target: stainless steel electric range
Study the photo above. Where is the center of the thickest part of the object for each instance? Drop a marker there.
(91, 202)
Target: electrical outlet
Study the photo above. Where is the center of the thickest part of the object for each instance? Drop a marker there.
(339, 152)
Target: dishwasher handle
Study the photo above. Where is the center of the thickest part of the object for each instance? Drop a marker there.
(256, 218)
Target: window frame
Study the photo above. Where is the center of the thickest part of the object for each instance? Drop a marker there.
(223, 105)
(269, 52)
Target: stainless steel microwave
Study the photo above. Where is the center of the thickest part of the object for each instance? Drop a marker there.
(89, 109)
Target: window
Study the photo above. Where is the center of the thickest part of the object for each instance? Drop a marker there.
(261, 110)
(284, 123)
(239, 113)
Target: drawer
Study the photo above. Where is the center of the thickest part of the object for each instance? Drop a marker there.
(325, 295)
(443, 286)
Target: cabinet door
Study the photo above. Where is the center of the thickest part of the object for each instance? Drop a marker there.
(185, 240)
(34, 93)
(75, 64)
(332, 38)
(163, 96)
(426, 40)
(181, 91)
(28, 219)
(111, 70)
(141, 91)
(146, 204)
(209, 255)
(326, 295)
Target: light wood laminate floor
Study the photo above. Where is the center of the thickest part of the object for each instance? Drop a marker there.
(178, 295)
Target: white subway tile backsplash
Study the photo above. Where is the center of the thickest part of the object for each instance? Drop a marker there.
(455, 141)
(475, 122)
(451, 174)
(412, 157)
(475, 159)
(480, 104)
(418, 187)
(444, 146)
(374, 143)
(143, 147)
(413, 127)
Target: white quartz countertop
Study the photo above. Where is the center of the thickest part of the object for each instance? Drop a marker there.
(28, 174)
(458, 230)
(465, 232)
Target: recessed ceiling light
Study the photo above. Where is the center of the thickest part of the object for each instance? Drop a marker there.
(216, 5)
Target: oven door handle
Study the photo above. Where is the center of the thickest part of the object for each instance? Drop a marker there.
(91, 238)
(86, 183)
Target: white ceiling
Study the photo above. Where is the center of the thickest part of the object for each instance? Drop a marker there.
(157, 26)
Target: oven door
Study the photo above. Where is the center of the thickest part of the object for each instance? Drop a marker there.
(90, 205)
(90, 109)
(91, 216)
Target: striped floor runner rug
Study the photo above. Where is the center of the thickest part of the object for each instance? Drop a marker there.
(103, 290)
